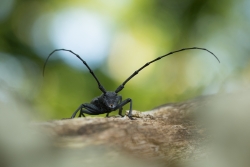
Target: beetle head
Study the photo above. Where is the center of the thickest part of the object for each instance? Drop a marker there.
(111, 99)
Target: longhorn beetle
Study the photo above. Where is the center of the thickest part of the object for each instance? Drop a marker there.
(110, 101)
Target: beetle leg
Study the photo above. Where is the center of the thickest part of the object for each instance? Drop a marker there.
(81, 113)
(107, 115)
(120, 109)
(130, 108)
(74, 114)
(89, 109)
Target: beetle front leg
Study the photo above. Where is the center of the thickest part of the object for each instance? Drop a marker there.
(120, 109)
(130, 108)
(130, 111)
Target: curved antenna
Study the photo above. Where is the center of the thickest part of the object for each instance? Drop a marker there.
(92, 73)
(158, 58)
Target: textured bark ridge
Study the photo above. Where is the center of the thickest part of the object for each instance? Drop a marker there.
(168, 132)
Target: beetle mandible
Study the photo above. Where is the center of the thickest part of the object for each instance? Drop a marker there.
(110, 101)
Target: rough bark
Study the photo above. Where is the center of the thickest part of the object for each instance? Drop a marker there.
(167, 133)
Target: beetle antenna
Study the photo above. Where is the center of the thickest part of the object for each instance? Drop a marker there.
(92, 73)
(158, 58)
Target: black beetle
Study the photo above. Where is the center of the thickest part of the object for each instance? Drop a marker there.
(110, 101)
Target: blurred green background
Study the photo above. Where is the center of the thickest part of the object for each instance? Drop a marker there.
(116, 38)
